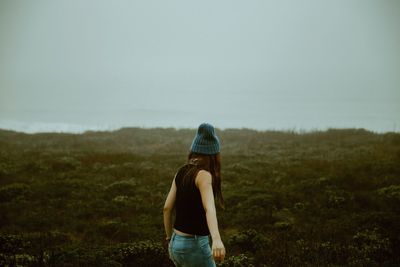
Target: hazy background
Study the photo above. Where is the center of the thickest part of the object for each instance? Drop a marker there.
(74, 65)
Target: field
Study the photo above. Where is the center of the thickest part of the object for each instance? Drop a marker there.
(321, 198)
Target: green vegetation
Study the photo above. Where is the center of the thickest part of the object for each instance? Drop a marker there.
(328, 198)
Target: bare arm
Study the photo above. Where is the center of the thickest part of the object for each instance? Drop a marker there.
(204, 183)
(168, 208)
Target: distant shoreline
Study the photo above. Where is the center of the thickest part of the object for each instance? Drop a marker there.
(40, 128)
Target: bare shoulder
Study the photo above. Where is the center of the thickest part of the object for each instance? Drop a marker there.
(203, 177)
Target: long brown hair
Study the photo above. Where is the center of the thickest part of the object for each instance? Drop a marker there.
(212, 164)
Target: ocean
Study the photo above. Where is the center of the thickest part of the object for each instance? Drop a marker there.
(78, 121)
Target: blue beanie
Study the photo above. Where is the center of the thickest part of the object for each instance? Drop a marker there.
(205, 141)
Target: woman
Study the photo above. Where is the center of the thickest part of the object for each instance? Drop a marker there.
(192, 196)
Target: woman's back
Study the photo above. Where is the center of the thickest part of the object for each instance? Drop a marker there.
(190, 213)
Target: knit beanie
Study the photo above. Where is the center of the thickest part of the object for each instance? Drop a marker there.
(205, 141)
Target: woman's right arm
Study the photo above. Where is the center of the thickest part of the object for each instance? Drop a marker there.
(204, 183)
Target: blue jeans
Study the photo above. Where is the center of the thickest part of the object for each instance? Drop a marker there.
(190, 251)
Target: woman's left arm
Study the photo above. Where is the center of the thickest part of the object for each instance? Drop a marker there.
(168, 208)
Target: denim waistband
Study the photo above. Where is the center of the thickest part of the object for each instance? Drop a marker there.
(178, 236)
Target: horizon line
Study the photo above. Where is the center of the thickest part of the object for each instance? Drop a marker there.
(82, 129)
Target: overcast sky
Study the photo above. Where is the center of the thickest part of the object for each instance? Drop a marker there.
(307, 64)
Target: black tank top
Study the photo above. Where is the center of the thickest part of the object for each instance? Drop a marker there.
(190, 215)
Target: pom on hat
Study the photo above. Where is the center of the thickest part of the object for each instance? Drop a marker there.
(205, 141)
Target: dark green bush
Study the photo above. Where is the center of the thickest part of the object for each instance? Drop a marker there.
(248, 241)
(144, 253)
(14, 191)
(240, 260)
(125, 187)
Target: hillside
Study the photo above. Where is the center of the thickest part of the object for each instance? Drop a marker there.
(323, 198)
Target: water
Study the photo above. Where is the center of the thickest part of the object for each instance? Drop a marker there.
(78, 121)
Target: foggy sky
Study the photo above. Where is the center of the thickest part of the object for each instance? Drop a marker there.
(258, 64)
